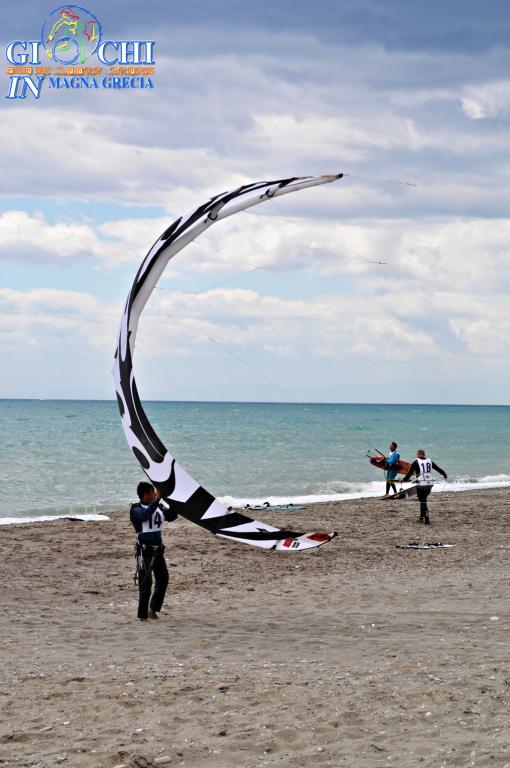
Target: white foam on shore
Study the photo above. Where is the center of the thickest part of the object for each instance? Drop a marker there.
(49, 519)
(339, 492)
(370, 490)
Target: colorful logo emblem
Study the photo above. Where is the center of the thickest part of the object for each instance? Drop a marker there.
(60, 60)
(71, 34)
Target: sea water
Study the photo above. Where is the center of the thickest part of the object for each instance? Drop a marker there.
(70, 457)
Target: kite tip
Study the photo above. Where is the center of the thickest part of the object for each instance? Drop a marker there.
(332, 176)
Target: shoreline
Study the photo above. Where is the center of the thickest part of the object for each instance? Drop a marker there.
(240, 504)
(356, 655)
(279, 452)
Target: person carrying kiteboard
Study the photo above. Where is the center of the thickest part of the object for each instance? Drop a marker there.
(148, 517)
(391, 471)
(422, 468)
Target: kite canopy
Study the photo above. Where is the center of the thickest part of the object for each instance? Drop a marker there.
(177, 487)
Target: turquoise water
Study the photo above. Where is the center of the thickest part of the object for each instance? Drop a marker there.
(71, 456)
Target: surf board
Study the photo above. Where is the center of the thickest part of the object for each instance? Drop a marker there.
(379, 462)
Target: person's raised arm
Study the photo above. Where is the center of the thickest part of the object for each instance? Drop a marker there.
(413, 469)
(441, 471)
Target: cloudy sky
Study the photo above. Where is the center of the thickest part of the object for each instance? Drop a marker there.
(389, 286)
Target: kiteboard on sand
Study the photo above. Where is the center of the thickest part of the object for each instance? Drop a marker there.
(267, 505)
(177, 488)
(404, 493)
(425, 545)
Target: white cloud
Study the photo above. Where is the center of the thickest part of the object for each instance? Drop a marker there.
(55, 318)
(351, 138)
(425, 333)
(31, 238)
(486, 100)
(470, 254)
(420, 324)
(467, 253)
(24, 237)
(108, 168)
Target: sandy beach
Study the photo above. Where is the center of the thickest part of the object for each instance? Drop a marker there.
(357, 655)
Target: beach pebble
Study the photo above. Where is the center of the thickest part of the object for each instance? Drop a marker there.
(139, 761)
(163, 760)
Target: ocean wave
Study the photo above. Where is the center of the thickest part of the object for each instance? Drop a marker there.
(493, 479)
(345, 491)
(500, 479)
(469, 484)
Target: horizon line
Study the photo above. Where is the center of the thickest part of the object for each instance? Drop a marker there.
(251, 402)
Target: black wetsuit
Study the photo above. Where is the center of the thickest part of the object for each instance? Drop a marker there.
(148, 520)
(422, 468)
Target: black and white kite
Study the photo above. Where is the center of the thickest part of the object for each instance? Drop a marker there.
(185, 495)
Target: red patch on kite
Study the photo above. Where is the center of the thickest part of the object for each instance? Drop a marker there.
(319, 537)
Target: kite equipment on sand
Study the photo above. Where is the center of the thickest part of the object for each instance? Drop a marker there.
(404, 493)
(425, 545)
(184, 494)
(267, 505)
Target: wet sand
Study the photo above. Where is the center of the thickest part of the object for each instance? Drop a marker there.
(356, 655)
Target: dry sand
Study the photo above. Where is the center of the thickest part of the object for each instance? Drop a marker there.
(358, 654)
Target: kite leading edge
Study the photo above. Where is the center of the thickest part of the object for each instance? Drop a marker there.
(177, 487)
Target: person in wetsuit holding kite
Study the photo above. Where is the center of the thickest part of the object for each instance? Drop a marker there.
(422, 467)
(148, 517)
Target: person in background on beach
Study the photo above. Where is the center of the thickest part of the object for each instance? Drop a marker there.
(422, 467)
(148, 517)
(390, 465)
